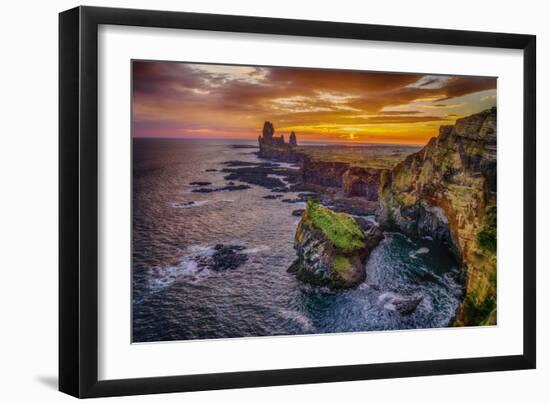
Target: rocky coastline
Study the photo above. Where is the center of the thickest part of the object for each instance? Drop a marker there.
(446, 191)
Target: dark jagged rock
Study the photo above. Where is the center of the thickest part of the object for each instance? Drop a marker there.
(281, 189)
(211, 170)
(254, 176)
(225, 188)
(274, 147)
(234, 187)
(298, 212)
(267, 175)
(204, 190)
(295, 200)
(186, 203)
(228, 257)
(353, 206)
(407, 305)
(292, 140)
(273, 196)
(238, 163)
(332, 249)
(200, 183)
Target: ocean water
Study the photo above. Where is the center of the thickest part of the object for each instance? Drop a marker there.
(174, 229)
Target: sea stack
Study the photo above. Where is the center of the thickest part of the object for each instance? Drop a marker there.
(267, 137)
(292, 139)
(275, 147)
(332, 248)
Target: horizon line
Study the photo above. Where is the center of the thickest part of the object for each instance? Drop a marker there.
(303, 141)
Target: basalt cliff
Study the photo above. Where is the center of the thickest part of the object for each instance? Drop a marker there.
(447, 191)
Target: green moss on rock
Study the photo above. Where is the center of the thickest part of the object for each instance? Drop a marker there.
(342, 264)
(487, 237)
(479, 313)
(340, 228)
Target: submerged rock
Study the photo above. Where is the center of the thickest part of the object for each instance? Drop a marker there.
(407, 305)
(295, 200)
(228, 187)
(332, 248)
(281, 189)
(234, 187)
(204, 190)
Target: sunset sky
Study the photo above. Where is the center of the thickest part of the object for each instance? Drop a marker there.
(221, 101)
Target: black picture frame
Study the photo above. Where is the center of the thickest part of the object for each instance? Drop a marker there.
(78, 201)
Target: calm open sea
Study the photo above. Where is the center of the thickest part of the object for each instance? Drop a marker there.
(174, 300)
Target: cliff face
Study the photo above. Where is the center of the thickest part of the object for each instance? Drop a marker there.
(359, 181)
(326, 174)
(447, 191)
(332, 248)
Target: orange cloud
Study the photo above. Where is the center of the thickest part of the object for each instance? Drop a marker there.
(197, 100)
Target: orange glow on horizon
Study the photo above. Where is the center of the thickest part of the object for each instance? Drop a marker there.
(327, 106)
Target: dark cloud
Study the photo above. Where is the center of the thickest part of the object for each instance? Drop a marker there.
(459, 86)
(194, 97)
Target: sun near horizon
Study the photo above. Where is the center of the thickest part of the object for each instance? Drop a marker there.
(184, 100)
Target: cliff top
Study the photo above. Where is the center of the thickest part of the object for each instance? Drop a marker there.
(340, 228)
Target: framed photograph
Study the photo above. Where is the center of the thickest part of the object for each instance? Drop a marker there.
(251, 201)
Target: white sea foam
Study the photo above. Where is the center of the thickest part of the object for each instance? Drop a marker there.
(421, 250)
(298, 318)
(387, 297)
(288, 165)
(188, 268)
(255, 250)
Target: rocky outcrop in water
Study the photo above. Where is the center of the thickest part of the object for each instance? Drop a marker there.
(224, 257)
(227, 187)
(292, 141)
(275, 147)
(447, 191)
(332, 248)
(267, 175)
